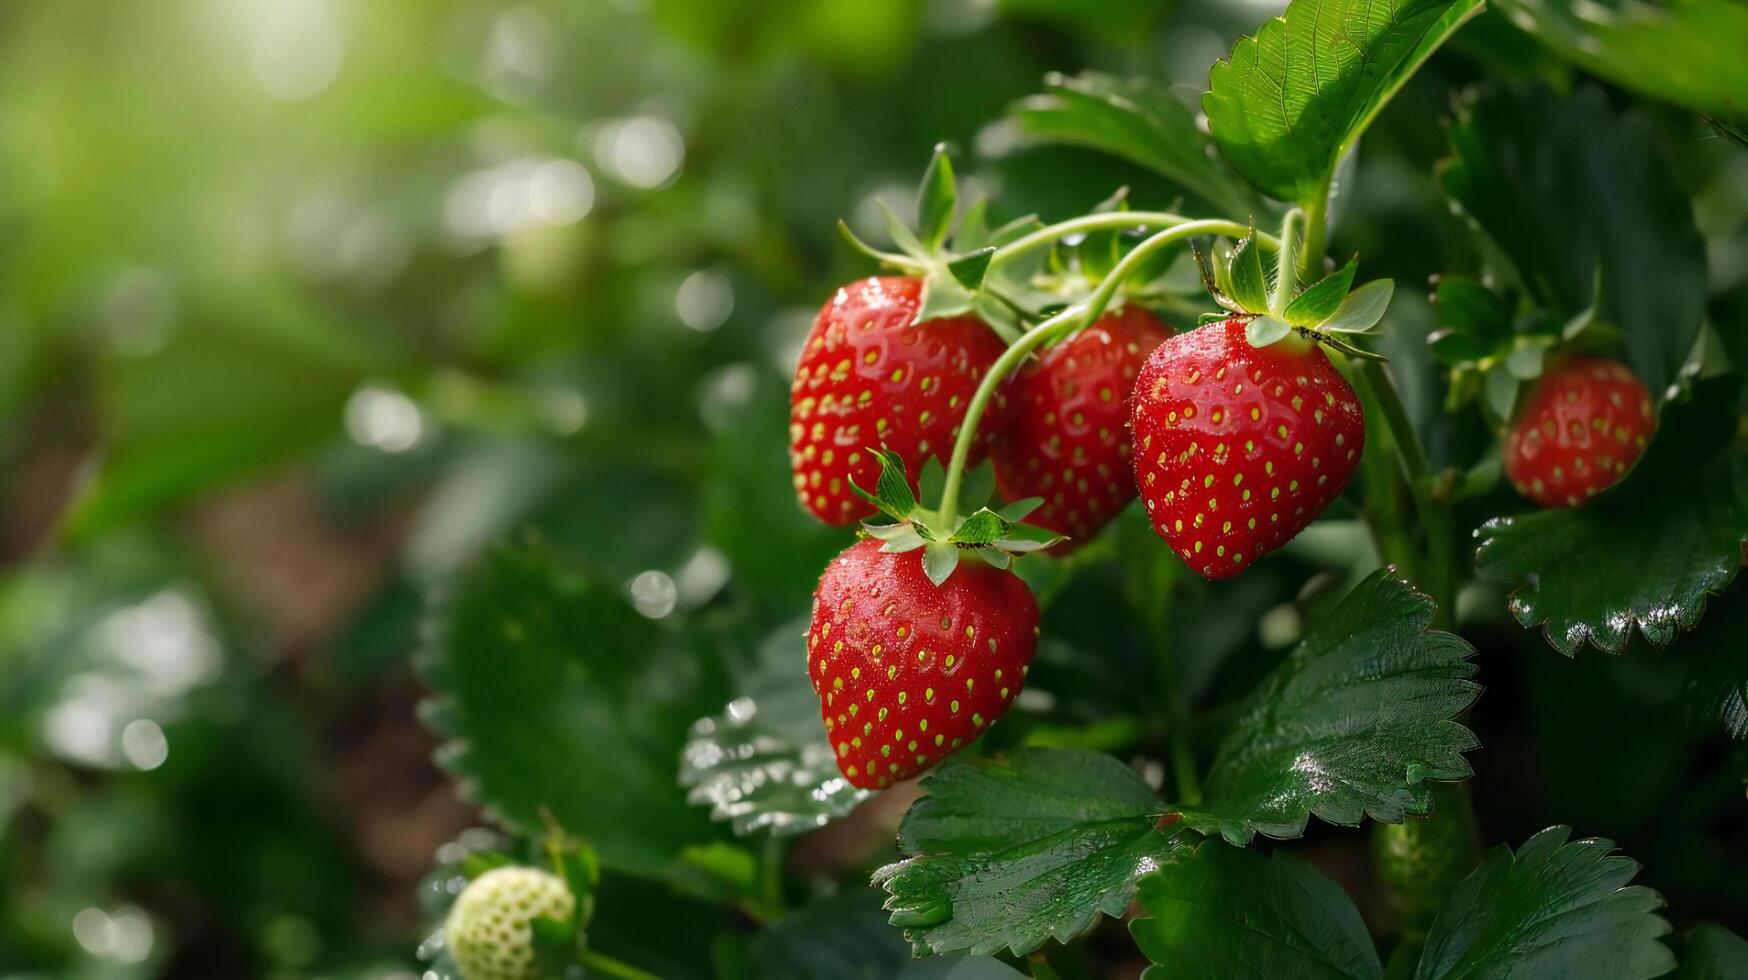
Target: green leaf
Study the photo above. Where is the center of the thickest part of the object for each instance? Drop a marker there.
(939, 560)
(1715, 688)
(1473, 321)
(1553, 909)
(937, 199)
(1362, 309)
(1290, 101)
(968, 270)
(1645, 552)
(1565, 187)
(1320, 300)
(846, 935)
(1349, 726)
(764, 762)
(1688, 53)
(555, 697)
(932, 480)
(1140, 121)
(1009, 853)
(1261, 331)
(1228, 913)
(1714, 953)
(1018, 510)
(981, 527)
(1247, 283)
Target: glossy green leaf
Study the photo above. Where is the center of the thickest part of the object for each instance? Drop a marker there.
(1473, 321)
(1350, 726)
(937, 199)
(1008, 853)
(764, 762)
(845, 935)
(1646, 552)
(1291, 100)
(1139, 121)
(1229, 913)
(1553, 909)
(555, 697)
(1246, 281)
(1565, 188)
(943, 296)
(1688, 52)
(1321, 299)
(1715, 688)
(1713, 953)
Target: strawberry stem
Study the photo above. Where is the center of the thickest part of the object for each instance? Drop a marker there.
(1107, 220)
(1064, 324)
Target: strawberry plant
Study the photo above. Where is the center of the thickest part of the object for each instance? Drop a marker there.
(1161, 531)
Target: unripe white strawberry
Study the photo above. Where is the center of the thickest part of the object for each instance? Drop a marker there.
(488, 930)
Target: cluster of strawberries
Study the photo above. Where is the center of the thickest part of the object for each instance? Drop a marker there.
(1232, 448)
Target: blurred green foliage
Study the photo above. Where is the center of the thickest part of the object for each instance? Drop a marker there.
(302, 303)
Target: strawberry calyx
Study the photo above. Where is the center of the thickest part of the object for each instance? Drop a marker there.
(952, 276)
(1274, 308)
(995, 536)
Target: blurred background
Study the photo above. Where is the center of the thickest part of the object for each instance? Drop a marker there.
(302, 302)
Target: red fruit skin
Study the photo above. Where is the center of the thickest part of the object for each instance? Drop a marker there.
(1237, 448)
(1582, 426)
(1068, 441)
(867, 377)
(907, 672)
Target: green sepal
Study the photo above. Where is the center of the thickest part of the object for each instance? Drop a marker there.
(1351, 350)
(884, 258)
(937, 199)
(901, 235)
(1017, 511)
(939, 560)
(892, 491)
(1362, 309)
(932, 480)
(1216, 280)
(1026, 538)
(555, 944)
(982, 527)
(978, 485)
(993, 557)
(1261, 331)
(1321, 299)
(968, 270)
(942, 297)
(1247, 282)
(897, 538)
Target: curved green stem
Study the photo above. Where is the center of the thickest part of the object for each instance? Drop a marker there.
(1438, 574)
(1063, 324)
(607, 966)
(1108, 220)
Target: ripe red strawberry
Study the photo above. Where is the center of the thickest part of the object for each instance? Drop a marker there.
(1237, 447)
(908, 672)
(867, 377)
(1583, 425)
(1069, 439)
